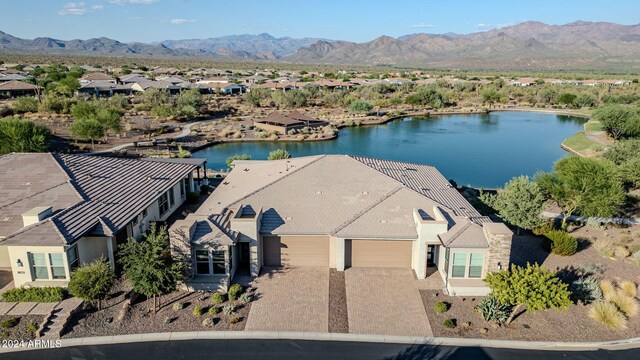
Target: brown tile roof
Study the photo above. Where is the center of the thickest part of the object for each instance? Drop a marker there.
(108, 192)
(97, 76)
(15, 85)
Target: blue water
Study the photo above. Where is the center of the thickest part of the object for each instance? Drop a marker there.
(482, 150)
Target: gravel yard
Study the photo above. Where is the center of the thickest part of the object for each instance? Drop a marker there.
(338, 318)
(20, 331)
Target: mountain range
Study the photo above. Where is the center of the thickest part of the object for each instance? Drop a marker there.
(529, 45)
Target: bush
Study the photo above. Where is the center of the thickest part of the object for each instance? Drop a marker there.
(585, 290)
(25, 104)
(32, 327)
(607, 288)
(197, 311)
(213, 311)
(40, 294)
(193, 197)
(628, 288)
(492, 310)
(208, 322)
(231, 159)
(218, 298)
(177, 306)
(543, 229)
(561, 243)
(360, 106)
(245, 298)
(234, 291)
(234, 319)
(627, 305)
(228, 309)
(279, 154)
(449, 323)
(608, 314)
(440, 307)
(9, 323)
(17, 135)
(92, 282)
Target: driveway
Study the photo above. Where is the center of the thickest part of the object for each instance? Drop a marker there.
(293, 299)
(385, 301)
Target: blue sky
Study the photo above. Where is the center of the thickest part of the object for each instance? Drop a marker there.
(354, 20)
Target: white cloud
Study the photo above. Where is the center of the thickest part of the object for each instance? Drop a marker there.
(484, 26)
(141, 2)
(423, 26)
(181, 21)
(78, 8)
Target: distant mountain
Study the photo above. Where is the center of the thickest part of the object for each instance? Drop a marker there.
(529, 45)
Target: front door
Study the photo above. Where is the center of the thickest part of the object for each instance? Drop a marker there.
(430, 255)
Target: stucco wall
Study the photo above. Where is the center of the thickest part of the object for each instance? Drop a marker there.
(91, 248)
(23, 275)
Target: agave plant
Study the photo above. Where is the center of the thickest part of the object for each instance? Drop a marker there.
(492, 310)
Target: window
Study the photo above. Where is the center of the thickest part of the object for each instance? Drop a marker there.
(72, 257)
(144, 213)
(39, 266)
(183, 186)
(57, 266)
(210, 262)
(475, 266)
(163, 203)
(172, 200)
(459, 265)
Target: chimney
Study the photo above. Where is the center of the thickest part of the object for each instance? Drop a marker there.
(36, 215)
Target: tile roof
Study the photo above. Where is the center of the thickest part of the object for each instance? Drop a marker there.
(90, 194)
(16, 85)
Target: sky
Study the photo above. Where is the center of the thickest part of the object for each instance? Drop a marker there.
(352, 20)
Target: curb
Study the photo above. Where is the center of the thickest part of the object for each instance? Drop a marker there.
(311, 336)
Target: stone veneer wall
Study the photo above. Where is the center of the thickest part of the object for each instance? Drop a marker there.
(499, 238)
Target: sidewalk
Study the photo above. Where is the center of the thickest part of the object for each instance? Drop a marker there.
(409, 340)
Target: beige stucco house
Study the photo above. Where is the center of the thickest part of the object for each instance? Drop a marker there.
(339, 212)
(59, 211)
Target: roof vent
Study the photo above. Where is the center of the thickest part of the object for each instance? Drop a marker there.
(36, 215)
(28, 183)
(289, 218)
(318, 192)
(383, 221)
(365, 193)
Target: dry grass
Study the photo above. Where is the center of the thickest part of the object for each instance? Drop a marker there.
(627, 305)
(621, 251)
(608, 289)
(608, 314)
(628, 288)
(605, 247)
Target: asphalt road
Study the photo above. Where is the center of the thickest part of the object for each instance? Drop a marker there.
(297, 349)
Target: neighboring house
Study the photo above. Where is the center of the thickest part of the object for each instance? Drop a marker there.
(224, 88)
(132, 79)
(97, 76)
(15, 88)
(283, 122)
(174, 80)
(339, 211)
(104, 88)
(15, 77)
(59, 211)
(142, 86)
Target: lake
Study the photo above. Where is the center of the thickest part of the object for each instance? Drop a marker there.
(481, 150)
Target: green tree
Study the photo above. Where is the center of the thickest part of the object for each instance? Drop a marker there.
(191, 98)
(149, 266)
(588, 186)
(519, 203)
(532, 286)
(490, 96)
(18, 135)
(279, 154)
(626, 155)
(231, 159)
(25, 104)
(92, 282)
(108, 116)
(567, 98)
(87, 129)
(360, 106)
(619, 121)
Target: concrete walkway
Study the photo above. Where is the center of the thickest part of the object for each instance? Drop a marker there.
(385, 301)
(44, 308)
(295, 299)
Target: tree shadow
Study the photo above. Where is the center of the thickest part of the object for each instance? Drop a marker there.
(429, 350)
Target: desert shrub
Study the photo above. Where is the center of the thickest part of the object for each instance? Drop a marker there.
(177, 306)
(17, 135)
(9, 323)
(440, 307)
(604, 246)
(627, 305)
(449, 323)
(492, 310)
(360, 106)
(197, 311)
(245, 298)
(543, 229)
(231, 159)
(36, 294)
(218, 298)
(234, 319)
(32, 327)
(561, 243)
(621, 251)
(228, 309)
(213, 311)
(234, 291)
(279, 154)
(628, 288)
(25, 104)
(193, 197)
(585, 290)
(608, 314)
(607, 288)
(207, 322)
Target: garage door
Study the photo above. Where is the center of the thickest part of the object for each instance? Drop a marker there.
(296, 250)
(378, 253)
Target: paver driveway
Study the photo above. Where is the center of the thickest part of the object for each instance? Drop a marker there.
(294, 299)
(385, 301)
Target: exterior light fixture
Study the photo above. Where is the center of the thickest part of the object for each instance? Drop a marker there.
(19, 263)
(499, 266)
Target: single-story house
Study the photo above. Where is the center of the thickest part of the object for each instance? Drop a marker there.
(340, 212)
(132, 79)
(58, 211)
(15, 88)
(104, 88)
(97, 76)
(142, 86)
(15, 77)
(224, 88)
(283, 122)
